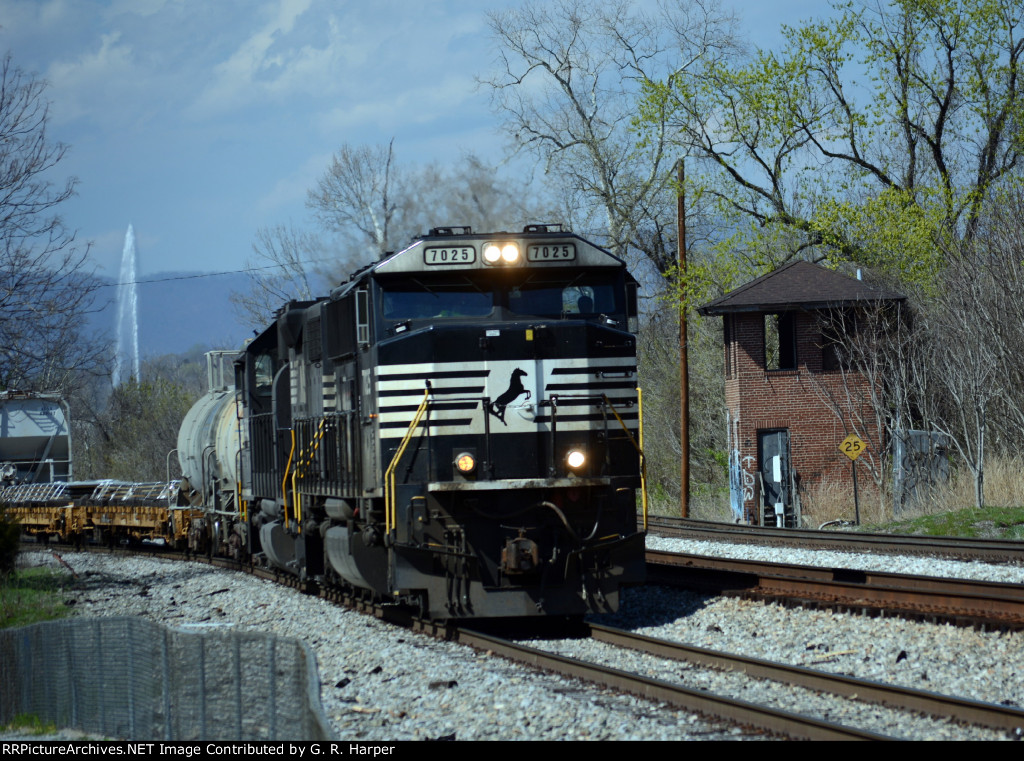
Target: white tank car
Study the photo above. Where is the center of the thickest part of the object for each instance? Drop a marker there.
(209, 441)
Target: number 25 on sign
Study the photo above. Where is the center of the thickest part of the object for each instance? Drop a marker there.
(852, 446)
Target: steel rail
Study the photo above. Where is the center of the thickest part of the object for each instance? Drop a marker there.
(767, 719)
(970, 548)
(957, 600)
(961, 710)
(764, 718)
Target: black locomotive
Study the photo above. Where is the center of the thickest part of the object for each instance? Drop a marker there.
(456, 427)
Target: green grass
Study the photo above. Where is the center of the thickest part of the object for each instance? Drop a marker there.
(32, 595)
(988, 523)
(31, 724)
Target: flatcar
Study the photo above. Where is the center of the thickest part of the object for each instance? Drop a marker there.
(37, 485)
(457, 427)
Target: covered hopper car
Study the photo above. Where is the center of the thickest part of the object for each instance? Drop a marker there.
(35, 438)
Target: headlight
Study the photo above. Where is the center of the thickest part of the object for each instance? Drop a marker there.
(465, 463)
(575, 459)
(501, 253)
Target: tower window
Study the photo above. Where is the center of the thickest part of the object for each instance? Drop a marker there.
(779, 342)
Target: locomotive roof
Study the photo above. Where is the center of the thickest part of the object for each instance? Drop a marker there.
(541, 247)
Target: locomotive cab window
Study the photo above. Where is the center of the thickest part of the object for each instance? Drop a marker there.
(415, 299)
(263, 374)
(582, 296)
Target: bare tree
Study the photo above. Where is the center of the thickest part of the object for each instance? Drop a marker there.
(1000, 312)
(658, 360)
(470, 192)
(966, 372)
(285, 265)
(358, 195)
(46, 287)
(371, 201)
(947, 365)
(356, 204)
(568, 83)
(366, 205)
(871, 378)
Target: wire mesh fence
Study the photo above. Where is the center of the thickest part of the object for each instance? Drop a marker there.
(133, 679)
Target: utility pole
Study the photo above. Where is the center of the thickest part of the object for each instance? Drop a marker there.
(684, 363)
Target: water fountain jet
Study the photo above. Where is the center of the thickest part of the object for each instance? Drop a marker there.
(126, 354)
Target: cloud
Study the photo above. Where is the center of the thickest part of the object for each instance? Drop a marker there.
(316, 54)
(79, 82)
(143, 8)
(270, 61)
(290, 191)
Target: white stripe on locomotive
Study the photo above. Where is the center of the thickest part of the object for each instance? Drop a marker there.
(457, 389)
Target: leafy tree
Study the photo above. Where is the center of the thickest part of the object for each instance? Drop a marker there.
(658, 358)
(139, 428)
(126, 433)
(45, 285)
(873, 136)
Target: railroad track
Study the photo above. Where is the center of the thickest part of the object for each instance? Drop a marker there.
(962, 602)
(958, 601)
(761, 717)
(901, 698)
(959, 548)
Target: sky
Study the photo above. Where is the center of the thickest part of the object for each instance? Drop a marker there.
(200, 122)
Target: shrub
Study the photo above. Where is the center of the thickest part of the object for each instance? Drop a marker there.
(10, 539)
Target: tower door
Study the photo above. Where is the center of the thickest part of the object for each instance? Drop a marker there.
(776, 482)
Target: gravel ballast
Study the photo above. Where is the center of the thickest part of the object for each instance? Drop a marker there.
(384, 683)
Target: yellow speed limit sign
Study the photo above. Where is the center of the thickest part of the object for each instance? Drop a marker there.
(853, 446)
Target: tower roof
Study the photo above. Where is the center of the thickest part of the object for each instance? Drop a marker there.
(798, 285)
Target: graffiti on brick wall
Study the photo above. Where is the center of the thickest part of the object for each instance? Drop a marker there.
(741, 482)
(748, 477)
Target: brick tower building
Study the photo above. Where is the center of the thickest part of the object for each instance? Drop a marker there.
(790, 402)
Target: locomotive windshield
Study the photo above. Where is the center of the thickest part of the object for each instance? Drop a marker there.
(581, 295)
(415, 300)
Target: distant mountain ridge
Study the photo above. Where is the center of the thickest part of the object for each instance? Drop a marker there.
(179, 310)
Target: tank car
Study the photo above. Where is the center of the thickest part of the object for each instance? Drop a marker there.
(456, 427)
(209, 453)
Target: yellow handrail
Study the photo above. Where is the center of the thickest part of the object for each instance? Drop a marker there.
(284, 481)
(643, 457)
(638, 446)
(302, 463)
(390, 519)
